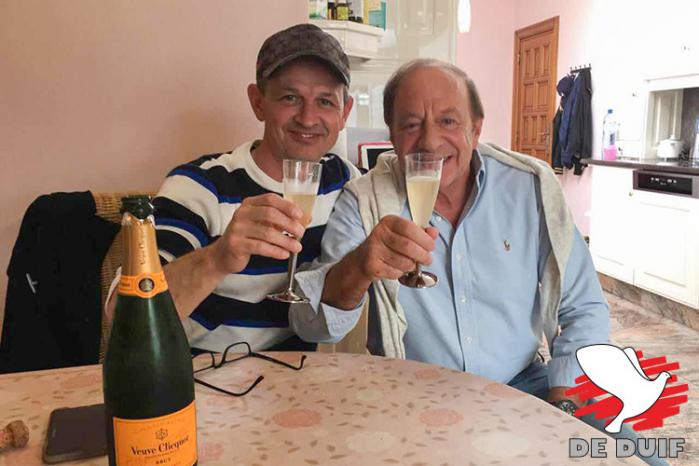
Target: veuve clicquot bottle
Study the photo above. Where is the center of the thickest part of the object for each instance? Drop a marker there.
(148, 383)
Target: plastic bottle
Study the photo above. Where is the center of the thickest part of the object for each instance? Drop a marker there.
(609, 136)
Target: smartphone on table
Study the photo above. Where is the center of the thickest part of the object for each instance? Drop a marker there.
(75, 433)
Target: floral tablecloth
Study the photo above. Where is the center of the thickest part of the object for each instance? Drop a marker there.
(340, 409)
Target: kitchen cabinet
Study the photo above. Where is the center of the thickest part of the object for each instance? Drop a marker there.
(414, 29)
(665, 53)
(357, 40)
(630, 112)
(666, 251)
(611, 222)
(647, 239)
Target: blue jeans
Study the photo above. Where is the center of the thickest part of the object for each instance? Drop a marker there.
(534, 380)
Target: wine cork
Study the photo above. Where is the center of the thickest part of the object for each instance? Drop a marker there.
(14, 435)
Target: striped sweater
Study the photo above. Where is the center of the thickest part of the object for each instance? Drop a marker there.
(194, 207)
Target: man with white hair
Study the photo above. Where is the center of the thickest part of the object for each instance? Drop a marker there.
(510, 262)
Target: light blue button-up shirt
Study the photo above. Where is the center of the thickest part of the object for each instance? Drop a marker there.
(483, 316)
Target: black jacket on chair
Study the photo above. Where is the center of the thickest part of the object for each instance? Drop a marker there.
(52, 312)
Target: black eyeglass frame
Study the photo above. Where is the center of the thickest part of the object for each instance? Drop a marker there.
(250, 354)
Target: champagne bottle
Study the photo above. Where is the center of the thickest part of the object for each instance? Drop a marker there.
(147, 373)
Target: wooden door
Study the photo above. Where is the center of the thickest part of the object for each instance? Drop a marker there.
(534, 93)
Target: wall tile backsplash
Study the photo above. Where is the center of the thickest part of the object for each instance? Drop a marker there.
(690, 113)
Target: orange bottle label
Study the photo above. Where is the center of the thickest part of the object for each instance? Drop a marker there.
(161, 441)
(145, 285)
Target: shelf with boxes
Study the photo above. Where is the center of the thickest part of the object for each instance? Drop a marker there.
(357, 24)
(358, 40)
(371, 12)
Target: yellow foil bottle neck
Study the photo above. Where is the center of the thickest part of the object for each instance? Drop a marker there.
(141, 273)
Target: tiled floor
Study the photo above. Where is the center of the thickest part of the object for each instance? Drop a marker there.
(655, 335)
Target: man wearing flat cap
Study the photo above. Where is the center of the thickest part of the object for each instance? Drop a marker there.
(221, 218)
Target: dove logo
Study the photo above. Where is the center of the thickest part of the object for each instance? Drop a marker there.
(627, 389)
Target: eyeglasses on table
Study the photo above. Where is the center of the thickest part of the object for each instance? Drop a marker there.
(213, 364)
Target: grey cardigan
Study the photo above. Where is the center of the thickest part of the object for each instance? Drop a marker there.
(382, 192)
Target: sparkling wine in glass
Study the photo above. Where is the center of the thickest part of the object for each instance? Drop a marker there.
(301, 181)
(423, 172)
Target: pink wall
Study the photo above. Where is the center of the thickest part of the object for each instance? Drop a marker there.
(574, 49)
(486, 53)
(109, 96)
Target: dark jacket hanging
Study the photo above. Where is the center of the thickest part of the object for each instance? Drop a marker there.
(564, 89)
(52, 310)
(576, 123)
(556, 162)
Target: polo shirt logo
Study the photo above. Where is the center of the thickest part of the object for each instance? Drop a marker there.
(507, 245)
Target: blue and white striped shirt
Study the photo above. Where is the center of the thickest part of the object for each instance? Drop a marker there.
(193, 208)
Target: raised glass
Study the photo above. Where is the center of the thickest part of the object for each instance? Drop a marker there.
(423, 171)
(301, 181)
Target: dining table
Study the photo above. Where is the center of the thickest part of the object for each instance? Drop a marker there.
(339, 409)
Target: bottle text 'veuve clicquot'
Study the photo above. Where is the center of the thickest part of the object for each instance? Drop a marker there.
(148, 382)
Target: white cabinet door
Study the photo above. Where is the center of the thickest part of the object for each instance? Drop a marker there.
(611, 229)
(667, 251)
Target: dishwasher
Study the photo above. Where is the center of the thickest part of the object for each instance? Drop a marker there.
(678, 184)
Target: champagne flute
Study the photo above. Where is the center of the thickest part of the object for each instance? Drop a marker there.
(423, 172)
(301, 181)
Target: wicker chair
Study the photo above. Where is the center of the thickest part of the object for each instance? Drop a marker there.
(108, 207)
(355, 341)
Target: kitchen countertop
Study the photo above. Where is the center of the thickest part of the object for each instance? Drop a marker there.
(689, 167)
